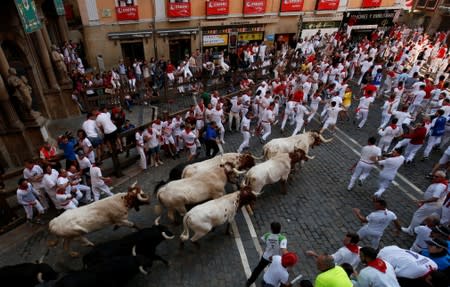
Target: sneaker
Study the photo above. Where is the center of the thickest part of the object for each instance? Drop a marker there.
(160, 162)
(407, 230)
(222, 141)
(156, 165)
(349, 188)
(360, 182)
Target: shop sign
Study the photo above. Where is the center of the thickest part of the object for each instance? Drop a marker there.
(59, 7)
(215, 40)
(127, 13)
(257, 36)
(270, 37)
(320, 25)
(381, 18)
(371, 3)
(327, 4)
(178, 10)
(28, 15)
(291, 5)
(217, 7)
(254, 7)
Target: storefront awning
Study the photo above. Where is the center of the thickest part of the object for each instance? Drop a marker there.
(130, 35)
(174, 32)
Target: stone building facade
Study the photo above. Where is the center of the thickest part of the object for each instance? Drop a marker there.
(32, 89)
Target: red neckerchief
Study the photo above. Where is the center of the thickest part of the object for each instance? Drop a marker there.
(378, 264)
(367, 95)
(393, 126)
(443, 181)
(353, 248)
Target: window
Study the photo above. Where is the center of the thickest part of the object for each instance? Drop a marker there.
(124, 3)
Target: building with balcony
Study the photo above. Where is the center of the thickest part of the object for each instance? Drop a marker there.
(128, 29)
(433, 15)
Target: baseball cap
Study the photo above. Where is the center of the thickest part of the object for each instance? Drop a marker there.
(289, 259)
(438, 242)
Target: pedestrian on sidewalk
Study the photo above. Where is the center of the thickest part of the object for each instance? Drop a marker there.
(431, 203)
(276, 245)
(27, 197)
(390, 167)
(376, 222)
(369, 155)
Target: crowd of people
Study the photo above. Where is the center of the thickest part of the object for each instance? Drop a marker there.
(404, 69)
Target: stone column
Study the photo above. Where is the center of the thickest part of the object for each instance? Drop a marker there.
(47, 40)
(45, 60)
(10, 115)
(4, 65)
(63, 28)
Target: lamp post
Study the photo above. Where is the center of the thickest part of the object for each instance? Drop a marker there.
(153, 25)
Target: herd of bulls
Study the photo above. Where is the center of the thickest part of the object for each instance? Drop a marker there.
(201, 183)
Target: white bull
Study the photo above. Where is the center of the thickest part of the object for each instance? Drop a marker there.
(113, 210)
(202, 218)
(276, 169)
(237, 160)
(285, 145)
(210, 184)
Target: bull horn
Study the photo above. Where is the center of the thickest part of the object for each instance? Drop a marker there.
(39, 277)
(255, 194)
(157, 220)
(142, 270)
(133, 251)
(309, 157)
(142, 198)
(167, 236)
(324, 139)
(257, 157)
(238, 171)
(134, 184)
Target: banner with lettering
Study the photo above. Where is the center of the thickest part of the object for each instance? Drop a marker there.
(217, 7)
(127, 13)
(254, 7)
(28, 15)
(370, 3)
(178, 9)
(292, 5)
(327, 4)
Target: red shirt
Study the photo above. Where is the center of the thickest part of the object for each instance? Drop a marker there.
(298, 96)
(417, 136)
(279, 89)
(370, 87)
(170, 68)
(441, 52)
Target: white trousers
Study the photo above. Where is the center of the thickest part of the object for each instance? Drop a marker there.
(98, 189)
(432, 142)
(237, 118)
(298, 126)
(373, 236)
(287, 115)
(362, 113)
(29, 209)
(383, 184)
(245, 143)
(385, 117)
(362, 171)
(142, 158)
(423, 212)
(384, 144)
(222, 130)
(267, 128)
(85, 191)
(411, 150)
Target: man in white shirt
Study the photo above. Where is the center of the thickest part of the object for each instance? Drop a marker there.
(418, 98)
(423, 233)
(267, 119)
(369, 155)
(34, 174)
(245, 130)
(49, 183)
(93, 134)
(217, 116)
(98, 182)
(365, 66)
(378, 272)
(276, 245)
(235, 113)
(376, 222)
(390, 167)
(363, 107)
(109, 129)
(300, 112)
(349, 253)
(432, 201)
(411, 268)
(277, 274)
(332, 113)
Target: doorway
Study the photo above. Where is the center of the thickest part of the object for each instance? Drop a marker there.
(131, 51)
(179, 48)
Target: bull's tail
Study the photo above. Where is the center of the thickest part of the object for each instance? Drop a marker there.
(185, 235)
(159, 185)
(158, 207)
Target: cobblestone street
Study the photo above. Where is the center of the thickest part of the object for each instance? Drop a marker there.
(315, 214)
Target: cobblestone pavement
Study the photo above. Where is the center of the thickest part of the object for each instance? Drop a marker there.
(315, 214)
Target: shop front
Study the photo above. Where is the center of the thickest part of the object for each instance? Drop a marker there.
(323, 24)
(231, 36)
(363, 23)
